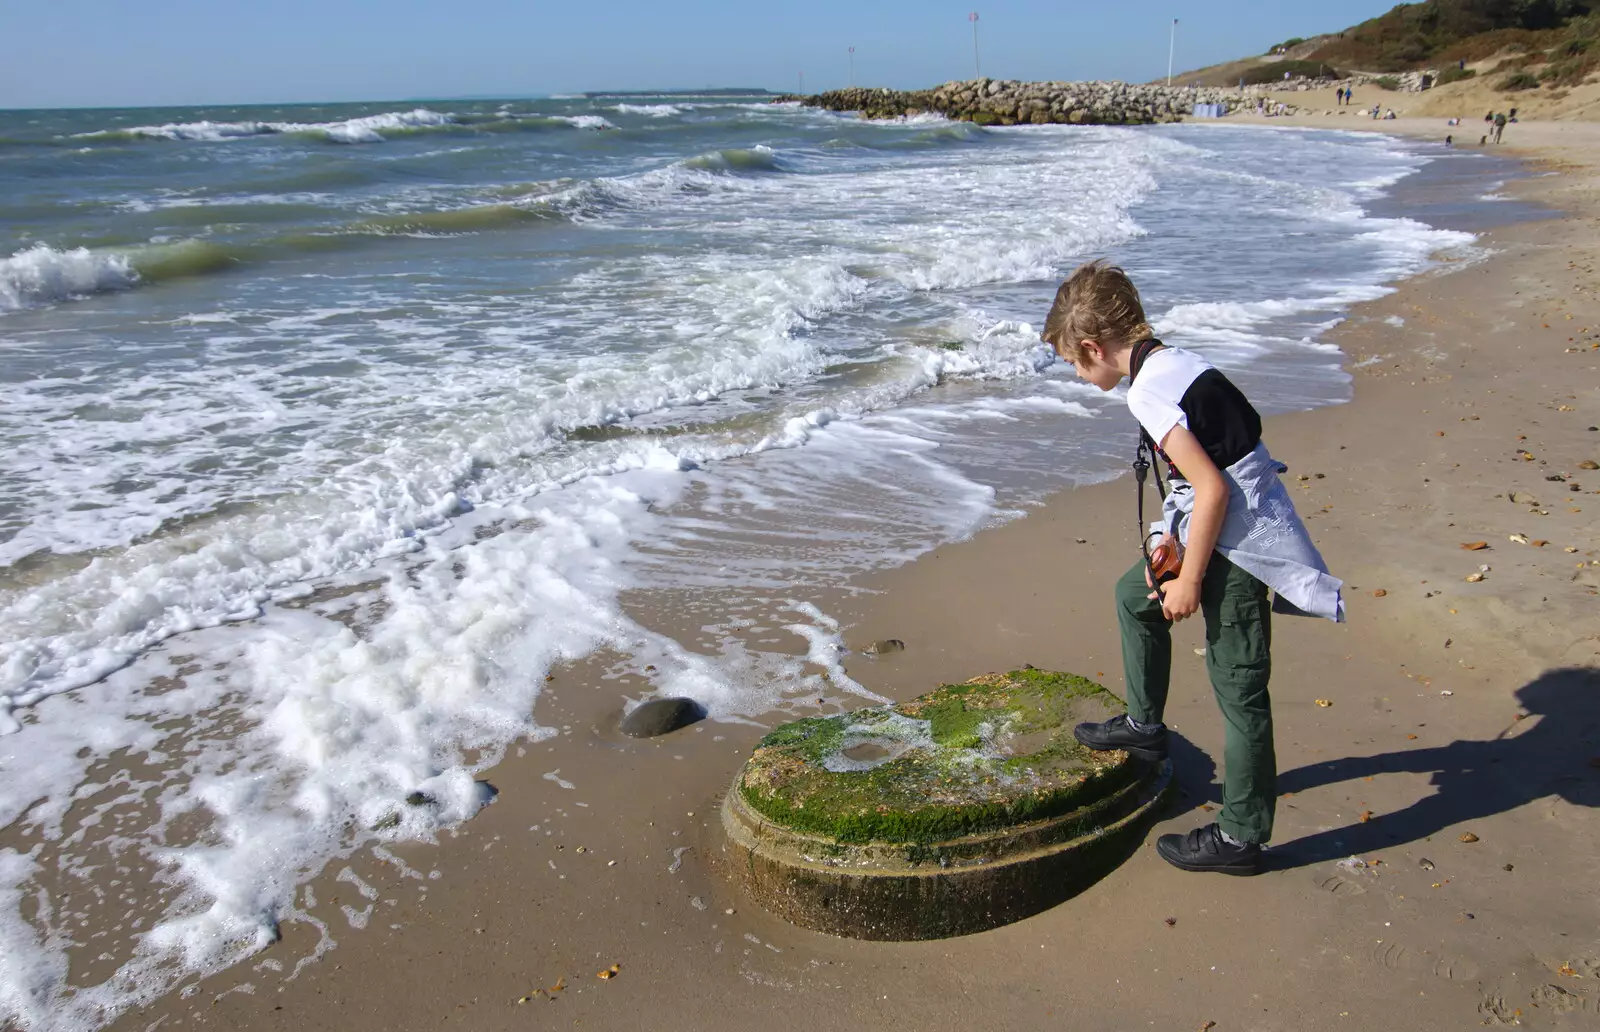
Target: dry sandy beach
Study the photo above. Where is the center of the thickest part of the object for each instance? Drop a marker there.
(1433, 863)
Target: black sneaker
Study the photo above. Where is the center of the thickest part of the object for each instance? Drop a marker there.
(1204, 849)
(1117, 734)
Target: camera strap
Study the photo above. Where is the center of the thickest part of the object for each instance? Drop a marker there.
(1146, 457)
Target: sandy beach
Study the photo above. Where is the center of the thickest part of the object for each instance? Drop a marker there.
(1432, 867)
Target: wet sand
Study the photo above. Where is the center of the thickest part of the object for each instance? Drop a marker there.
(1457, 708)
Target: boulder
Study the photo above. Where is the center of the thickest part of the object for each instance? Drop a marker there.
(661, 716)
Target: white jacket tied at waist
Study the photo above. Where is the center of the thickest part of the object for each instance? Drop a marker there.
(1262, 535)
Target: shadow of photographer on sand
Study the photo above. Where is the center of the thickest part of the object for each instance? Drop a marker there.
(1552, 751)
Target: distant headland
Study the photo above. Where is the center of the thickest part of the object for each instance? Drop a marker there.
(720, 91)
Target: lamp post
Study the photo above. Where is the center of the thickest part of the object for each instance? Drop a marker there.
(852, 66)
(1172, 43)
(976, 69)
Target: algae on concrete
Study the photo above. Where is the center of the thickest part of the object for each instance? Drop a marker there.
(994, 752)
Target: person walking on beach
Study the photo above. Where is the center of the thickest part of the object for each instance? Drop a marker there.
(1239, 535)
(1499, 126)
(1339, 93)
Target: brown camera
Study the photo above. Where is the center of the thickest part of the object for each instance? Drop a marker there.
(1166, 560)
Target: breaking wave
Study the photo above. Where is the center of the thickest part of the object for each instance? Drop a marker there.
(42, 275)
(367, 129)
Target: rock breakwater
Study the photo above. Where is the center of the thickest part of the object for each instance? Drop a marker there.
(1009, 102)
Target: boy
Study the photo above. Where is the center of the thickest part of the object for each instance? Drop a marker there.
(1241, 533)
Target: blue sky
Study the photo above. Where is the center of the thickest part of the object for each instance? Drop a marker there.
(116, 52)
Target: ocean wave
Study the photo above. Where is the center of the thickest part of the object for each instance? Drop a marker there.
(371, 128)
(937, 132)
(42, 275)
(366, 129)
(585, 121)
(472, 219)
(735, 159)
(652, 110)
(204, 130)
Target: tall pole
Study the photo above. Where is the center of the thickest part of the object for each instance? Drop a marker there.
(976, 70)
(852, 66)
(1172, 43)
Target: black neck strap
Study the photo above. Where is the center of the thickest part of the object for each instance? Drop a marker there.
(1145, 459)
(1141, 351)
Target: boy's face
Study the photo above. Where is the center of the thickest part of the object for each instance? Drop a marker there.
(1093, 368)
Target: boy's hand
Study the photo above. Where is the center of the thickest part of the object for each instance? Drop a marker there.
(1179, 598)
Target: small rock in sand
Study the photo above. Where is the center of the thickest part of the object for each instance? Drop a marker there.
(660, 716)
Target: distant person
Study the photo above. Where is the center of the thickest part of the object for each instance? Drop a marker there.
(1449, 141)
(1461, 65)
(1229, 552)
(1339, 94)
(1499, 126)
(1511, 116)
(1388, 114)
(1489, 117)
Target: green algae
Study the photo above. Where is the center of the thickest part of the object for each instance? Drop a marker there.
(997, 751)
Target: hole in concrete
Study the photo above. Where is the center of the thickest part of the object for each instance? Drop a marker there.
(866, 752)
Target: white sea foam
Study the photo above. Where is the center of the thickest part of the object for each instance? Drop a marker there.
(586, 121)
(365, 129)
(652, 110)
(208, 131)
(42, 275)
(370, 129)
(921, 118)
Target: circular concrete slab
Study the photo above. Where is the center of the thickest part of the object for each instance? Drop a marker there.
(961, 810)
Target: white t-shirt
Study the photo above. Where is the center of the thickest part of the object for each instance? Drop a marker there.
(1179, 388)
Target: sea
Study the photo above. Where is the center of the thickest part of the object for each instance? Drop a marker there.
(329, 432)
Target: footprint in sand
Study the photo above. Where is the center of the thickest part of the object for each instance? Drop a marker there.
(1496, 1012)
(1338, 884)
(1562, 1001)
(1393, 956)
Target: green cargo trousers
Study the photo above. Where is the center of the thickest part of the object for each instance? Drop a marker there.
(1239, 660)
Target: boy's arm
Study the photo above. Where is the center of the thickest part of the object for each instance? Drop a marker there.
(1182, 596)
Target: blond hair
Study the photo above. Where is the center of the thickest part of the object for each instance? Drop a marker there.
(1097, 302)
